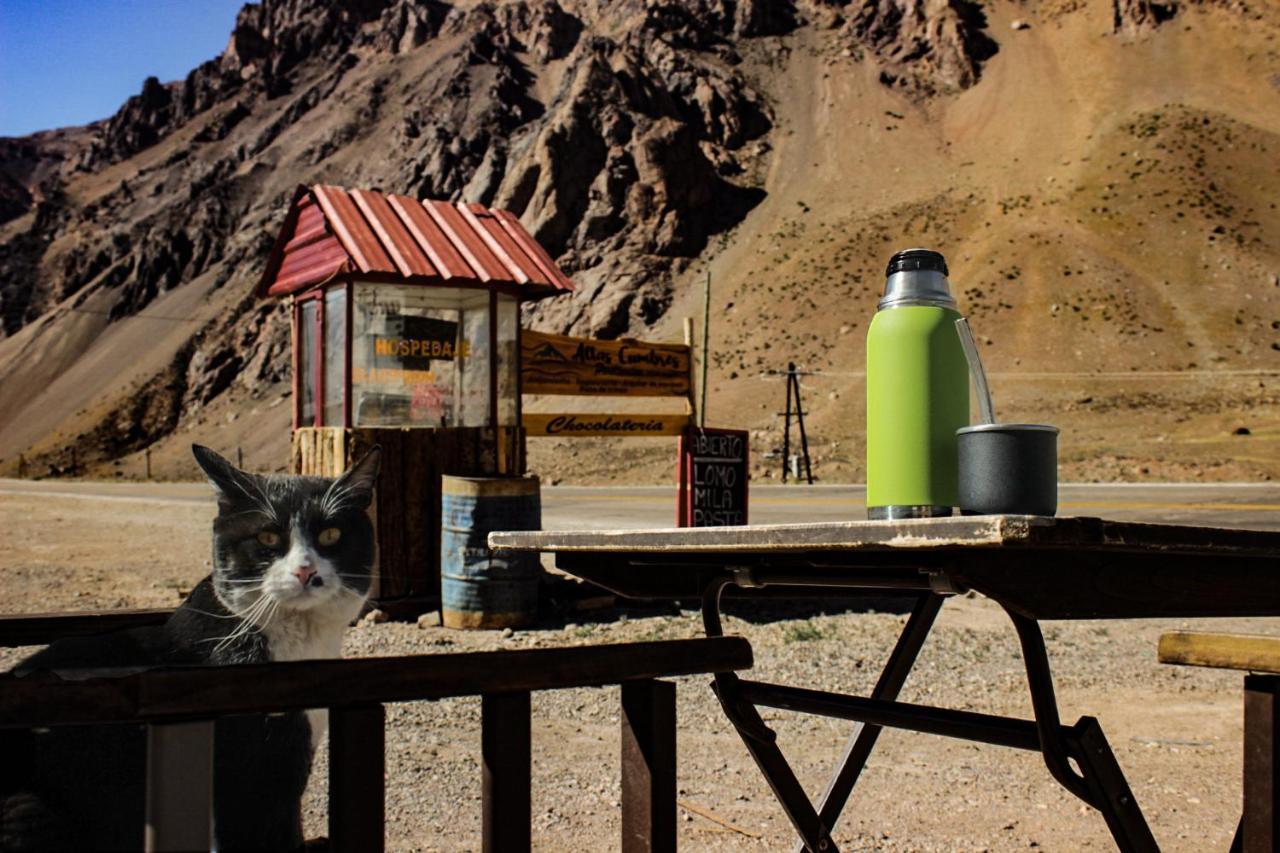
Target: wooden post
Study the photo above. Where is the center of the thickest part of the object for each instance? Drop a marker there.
(179, 786)
(706, 355)
(75, 464)
(690, 407)
(1261, 822)
(147, 456)
(357, 769)
(22, 467)
(239, 457)
(648, 766)
(505, 749)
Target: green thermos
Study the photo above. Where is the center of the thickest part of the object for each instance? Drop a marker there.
(917, 391)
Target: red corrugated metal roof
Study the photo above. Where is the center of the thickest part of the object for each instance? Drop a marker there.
(333, 233)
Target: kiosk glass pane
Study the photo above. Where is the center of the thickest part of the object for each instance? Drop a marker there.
(306, 365)
(508, 358)
(420, 356)
(335, 353)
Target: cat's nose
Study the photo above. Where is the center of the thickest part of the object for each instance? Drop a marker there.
(304, 573)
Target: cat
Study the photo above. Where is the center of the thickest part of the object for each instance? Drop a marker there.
(292, 564)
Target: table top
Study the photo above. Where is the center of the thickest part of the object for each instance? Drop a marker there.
(1044, 567)
(965, 531)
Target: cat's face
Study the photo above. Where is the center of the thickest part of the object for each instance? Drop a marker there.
(290, 543)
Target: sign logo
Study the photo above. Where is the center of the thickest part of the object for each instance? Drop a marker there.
(558, 364)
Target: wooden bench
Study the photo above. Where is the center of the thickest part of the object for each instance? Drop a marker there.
(178, 706)
(1259, 656)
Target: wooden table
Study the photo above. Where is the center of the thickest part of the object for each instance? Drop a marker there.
(1036, 568)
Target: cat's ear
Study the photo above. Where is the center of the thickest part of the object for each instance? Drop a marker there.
(360, 478)
(230, 482)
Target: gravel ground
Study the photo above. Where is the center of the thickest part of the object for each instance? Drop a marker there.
(1176, 731)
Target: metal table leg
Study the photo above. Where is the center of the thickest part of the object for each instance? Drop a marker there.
(863, 738)
(761, 741)
(1100, 782)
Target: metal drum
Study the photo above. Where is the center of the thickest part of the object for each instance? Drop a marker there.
(481, 589)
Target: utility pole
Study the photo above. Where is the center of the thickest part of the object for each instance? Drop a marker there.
(793, 388)
(706, 334)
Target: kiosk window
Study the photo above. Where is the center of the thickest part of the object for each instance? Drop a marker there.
(306, 366)
(420, 356)
(335, 354)
(508, 358)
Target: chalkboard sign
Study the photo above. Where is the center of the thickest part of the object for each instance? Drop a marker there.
(713, 478)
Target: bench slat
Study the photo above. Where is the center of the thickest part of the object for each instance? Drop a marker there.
(204, 692)
(1250, 652)
(39, 629)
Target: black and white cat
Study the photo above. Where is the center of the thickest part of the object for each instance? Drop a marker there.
(292, 563)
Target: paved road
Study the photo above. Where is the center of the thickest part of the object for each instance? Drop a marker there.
(564, 507)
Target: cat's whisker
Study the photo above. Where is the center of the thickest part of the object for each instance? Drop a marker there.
(249, 622)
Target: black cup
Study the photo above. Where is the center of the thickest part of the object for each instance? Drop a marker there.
(1008, 469)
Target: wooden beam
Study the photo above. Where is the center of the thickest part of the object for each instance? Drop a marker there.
(38, 629)
(40, 699)
(1260, 826)
(648, 766)
(1250, 652)
(357, 773)
(505, 749)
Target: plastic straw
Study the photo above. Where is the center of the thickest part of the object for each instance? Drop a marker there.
(985, 408)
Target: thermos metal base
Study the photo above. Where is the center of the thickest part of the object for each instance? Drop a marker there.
(890, 513)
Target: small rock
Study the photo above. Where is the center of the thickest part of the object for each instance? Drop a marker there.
(844, 330)
(1020, 24)
(430, 619)
(375, 616)
(507, 632)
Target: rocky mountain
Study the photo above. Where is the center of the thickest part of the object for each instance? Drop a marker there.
(787, 145)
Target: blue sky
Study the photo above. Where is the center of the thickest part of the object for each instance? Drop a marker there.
(68, 62)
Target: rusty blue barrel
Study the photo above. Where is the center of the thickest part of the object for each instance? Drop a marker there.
(480, 588)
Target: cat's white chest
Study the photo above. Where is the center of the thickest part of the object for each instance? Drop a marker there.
(307, 636)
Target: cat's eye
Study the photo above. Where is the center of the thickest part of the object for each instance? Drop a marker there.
(329, 536)
(269, 538)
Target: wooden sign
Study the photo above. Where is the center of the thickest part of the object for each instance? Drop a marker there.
(713, 478)
(557, 364)
(412, 342)
(604, 426)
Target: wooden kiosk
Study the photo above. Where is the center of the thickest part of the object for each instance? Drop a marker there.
(406, 334)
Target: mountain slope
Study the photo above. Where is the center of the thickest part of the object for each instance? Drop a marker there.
(1101, 178)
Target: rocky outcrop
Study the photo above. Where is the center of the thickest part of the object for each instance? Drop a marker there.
(923, 46)
(1135, 16)
(268, 42)
(625, 135)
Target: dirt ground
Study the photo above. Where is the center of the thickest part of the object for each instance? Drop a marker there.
(1176, 731)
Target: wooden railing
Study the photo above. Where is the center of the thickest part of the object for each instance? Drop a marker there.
(178, 705)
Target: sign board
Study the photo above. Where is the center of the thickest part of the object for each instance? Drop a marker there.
(713, 478)
(558, 364)
(412, 342)
(603, 426)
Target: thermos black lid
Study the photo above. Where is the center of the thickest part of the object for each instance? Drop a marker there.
(917, 259)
